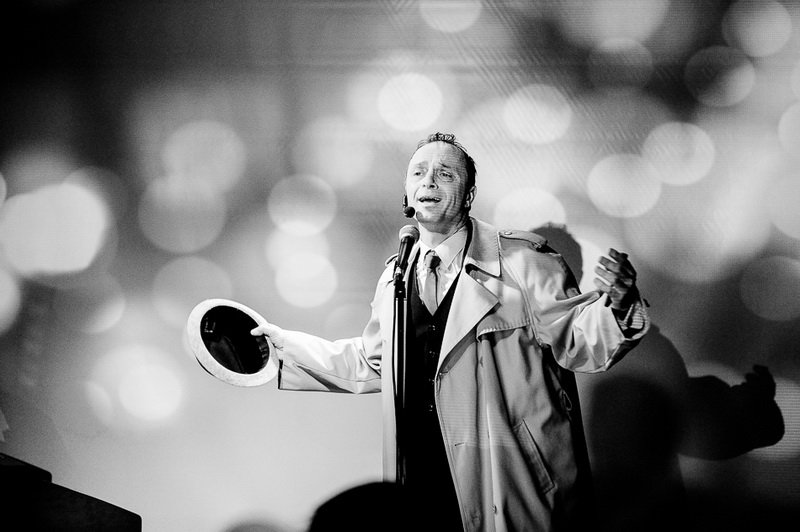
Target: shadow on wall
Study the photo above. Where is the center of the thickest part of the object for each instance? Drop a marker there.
(646, 411)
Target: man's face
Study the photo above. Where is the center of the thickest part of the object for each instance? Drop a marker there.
(436, 184)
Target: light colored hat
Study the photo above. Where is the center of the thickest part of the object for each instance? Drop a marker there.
(219, 335)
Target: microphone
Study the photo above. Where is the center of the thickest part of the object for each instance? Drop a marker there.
(408, 212)
(408, 237)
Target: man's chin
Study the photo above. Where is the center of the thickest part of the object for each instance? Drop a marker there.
(435, 221)
(426, 216)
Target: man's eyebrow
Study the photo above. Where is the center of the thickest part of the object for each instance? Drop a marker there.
(425, 163)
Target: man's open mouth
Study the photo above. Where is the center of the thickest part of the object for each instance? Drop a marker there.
(428, 199)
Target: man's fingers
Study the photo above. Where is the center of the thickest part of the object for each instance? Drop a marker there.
(606, 274)
(621, 279)
(617, 255)
(618, 263)
(273, 332)
(266, 329)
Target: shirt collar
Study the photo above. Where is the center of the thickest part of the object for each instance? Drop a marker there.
(449, 251)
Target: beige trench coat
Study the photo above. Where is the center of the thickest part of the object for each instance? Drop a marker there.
(516, 323)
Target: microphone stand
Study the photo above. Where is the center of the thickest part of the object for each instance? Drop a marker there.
(400, 321)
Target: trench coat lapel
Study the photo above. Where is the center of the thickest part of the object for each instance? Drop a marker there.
(471, 300)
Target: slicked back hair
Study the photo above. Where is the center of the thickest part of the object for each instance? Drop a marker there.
(449, 138)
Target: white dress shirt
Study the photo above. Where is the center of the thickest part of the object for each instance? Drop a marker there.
(451, 254)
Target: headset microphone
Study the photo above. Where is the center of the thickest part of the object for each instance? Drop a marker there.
(408, 212)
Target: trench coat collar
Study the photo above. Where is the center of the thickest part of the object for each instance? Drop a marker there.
(484, 249)
(471, 300)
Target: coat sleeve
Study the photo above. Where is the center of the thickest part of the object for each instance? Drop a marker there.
(582, 333)
(351, 365)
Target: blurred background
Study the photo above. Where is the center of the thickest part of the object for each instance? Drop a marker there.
(157, 153)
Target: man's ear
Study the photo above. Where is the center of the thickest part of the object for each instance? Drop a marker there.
(470, 197)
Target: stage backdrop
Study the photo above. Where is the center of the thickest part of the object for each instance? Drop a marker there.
(157, 153)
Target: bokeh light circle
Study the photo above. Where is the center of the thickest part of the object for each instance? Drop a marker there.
(789, 130)
(527, 208)
(206, 152)
(183, 283)
(589, 23)
(758, 27)
(450, 16)
(363, 90)
(306, 280)
(700, 238)
(302, 205)
(624, 185)
(719, 76)
(150, 392)
(55, 230)
(335, 150)
(514, 166)
(782, 205)
(681, 153)
(505, 163)
(108, 185)
(100, 401)
(607, 122)
(180, 217)
(410, 102)
(770, 288)
(135, 386)
(280, 245)
(537, 114)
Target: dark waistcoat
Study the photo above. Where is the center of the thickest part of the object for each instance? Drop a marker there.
(427, 471)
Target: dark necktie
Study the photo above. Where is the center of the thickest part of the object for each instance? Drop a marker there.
(431, 288)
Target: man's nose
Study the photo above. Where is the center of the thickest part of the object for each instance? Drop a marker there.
(428, 180)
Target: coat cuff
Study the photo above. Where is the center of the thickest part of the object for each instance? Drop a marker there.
(636, 321)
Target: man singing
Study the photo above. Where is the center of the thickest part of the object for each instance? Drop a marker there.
(497, 325)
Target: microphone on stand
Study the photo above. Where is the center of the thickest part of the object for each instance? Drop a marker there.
(408, 237)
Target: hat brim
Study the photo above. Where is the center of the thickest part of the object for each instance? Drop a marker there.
(219, 336)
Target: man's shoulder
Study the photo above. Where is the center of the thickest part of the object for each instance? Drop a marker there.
(508, 236)
(517, 235)
(391, 260)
